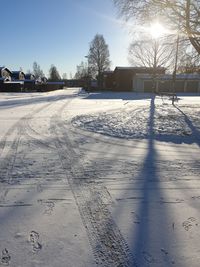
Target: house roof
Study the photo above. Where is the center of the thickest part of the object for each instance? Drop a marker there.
(15, 74)
(108, 71)
(138, 68)
(28, 76)
(1, 68)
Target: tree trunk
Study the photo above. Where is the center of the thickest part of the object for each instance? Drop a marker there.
(195, 43)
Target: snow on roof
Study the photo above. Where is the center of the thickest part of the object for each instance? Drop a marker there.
(17, 71)
(4, 68)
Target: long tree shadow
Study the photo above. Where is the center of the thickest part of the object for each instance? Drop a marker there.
(195, 132)
(151, 233)
(150, 239)
(153, 237)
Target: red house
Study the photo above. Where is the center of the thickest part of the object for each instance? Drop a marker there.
(108, 81)
(123, 77)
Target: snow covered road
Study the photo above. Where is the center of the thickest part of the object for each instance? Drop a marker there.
(77, 196)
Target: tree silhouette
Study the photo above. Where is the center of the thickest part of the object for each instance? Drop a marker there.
(54, 74)
(37, 70)
(98, 57)
(178, 14)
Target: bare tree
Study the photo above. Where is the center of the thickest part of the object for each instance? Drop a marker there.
(54, 74)
(182, 14)
(98, 57)
(189, 62)
(81, 71)
(64, 76)
(37, 70)
(151, 53)
(70, 76)
(28, 71)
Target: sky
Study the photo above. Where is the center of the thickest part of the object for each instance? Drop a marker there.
(59, 32)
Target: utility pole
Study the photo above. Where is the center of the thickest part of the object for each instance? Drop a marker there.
(175, 65)
(88, 74)
(155, 66)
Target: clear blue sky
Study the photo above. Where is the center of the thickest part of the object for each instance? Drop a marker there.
(58, 32)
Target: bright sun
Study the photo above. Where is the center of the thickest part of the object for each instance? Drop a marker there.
(156, 30)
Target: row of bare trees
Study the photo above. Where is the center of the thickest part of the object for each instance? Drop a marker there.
(183, 23)
(97, 62)
(38, 72)
(178, 48)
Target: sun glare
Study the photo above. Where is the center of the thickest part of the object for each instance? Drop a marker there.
(156, 30)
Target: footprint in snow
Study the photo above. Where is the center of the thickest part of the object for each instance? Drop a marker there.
(5, 257)
(34, 240)
(166, 254)
(49, 208)
(39, 188)
(189, 223)
(196, 197)
(136, 218)
(148, 257)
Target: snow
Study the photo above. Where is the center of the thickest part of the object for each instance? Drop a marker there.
(99, 179)
(133, 123)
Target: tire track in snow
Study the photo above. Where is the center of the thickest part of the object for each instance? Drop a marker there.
(107, 243)
(17, 126)
(19, 129)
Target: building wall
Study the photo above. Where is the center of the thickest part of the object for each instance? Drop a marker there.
(124, 77)
(184, 84)
(192, 86)
(123, 80)
(108, 81)
(21, 76)
(148, 86)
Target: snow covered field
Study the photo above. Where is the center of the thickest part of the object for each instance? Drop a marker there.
(101, 179)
